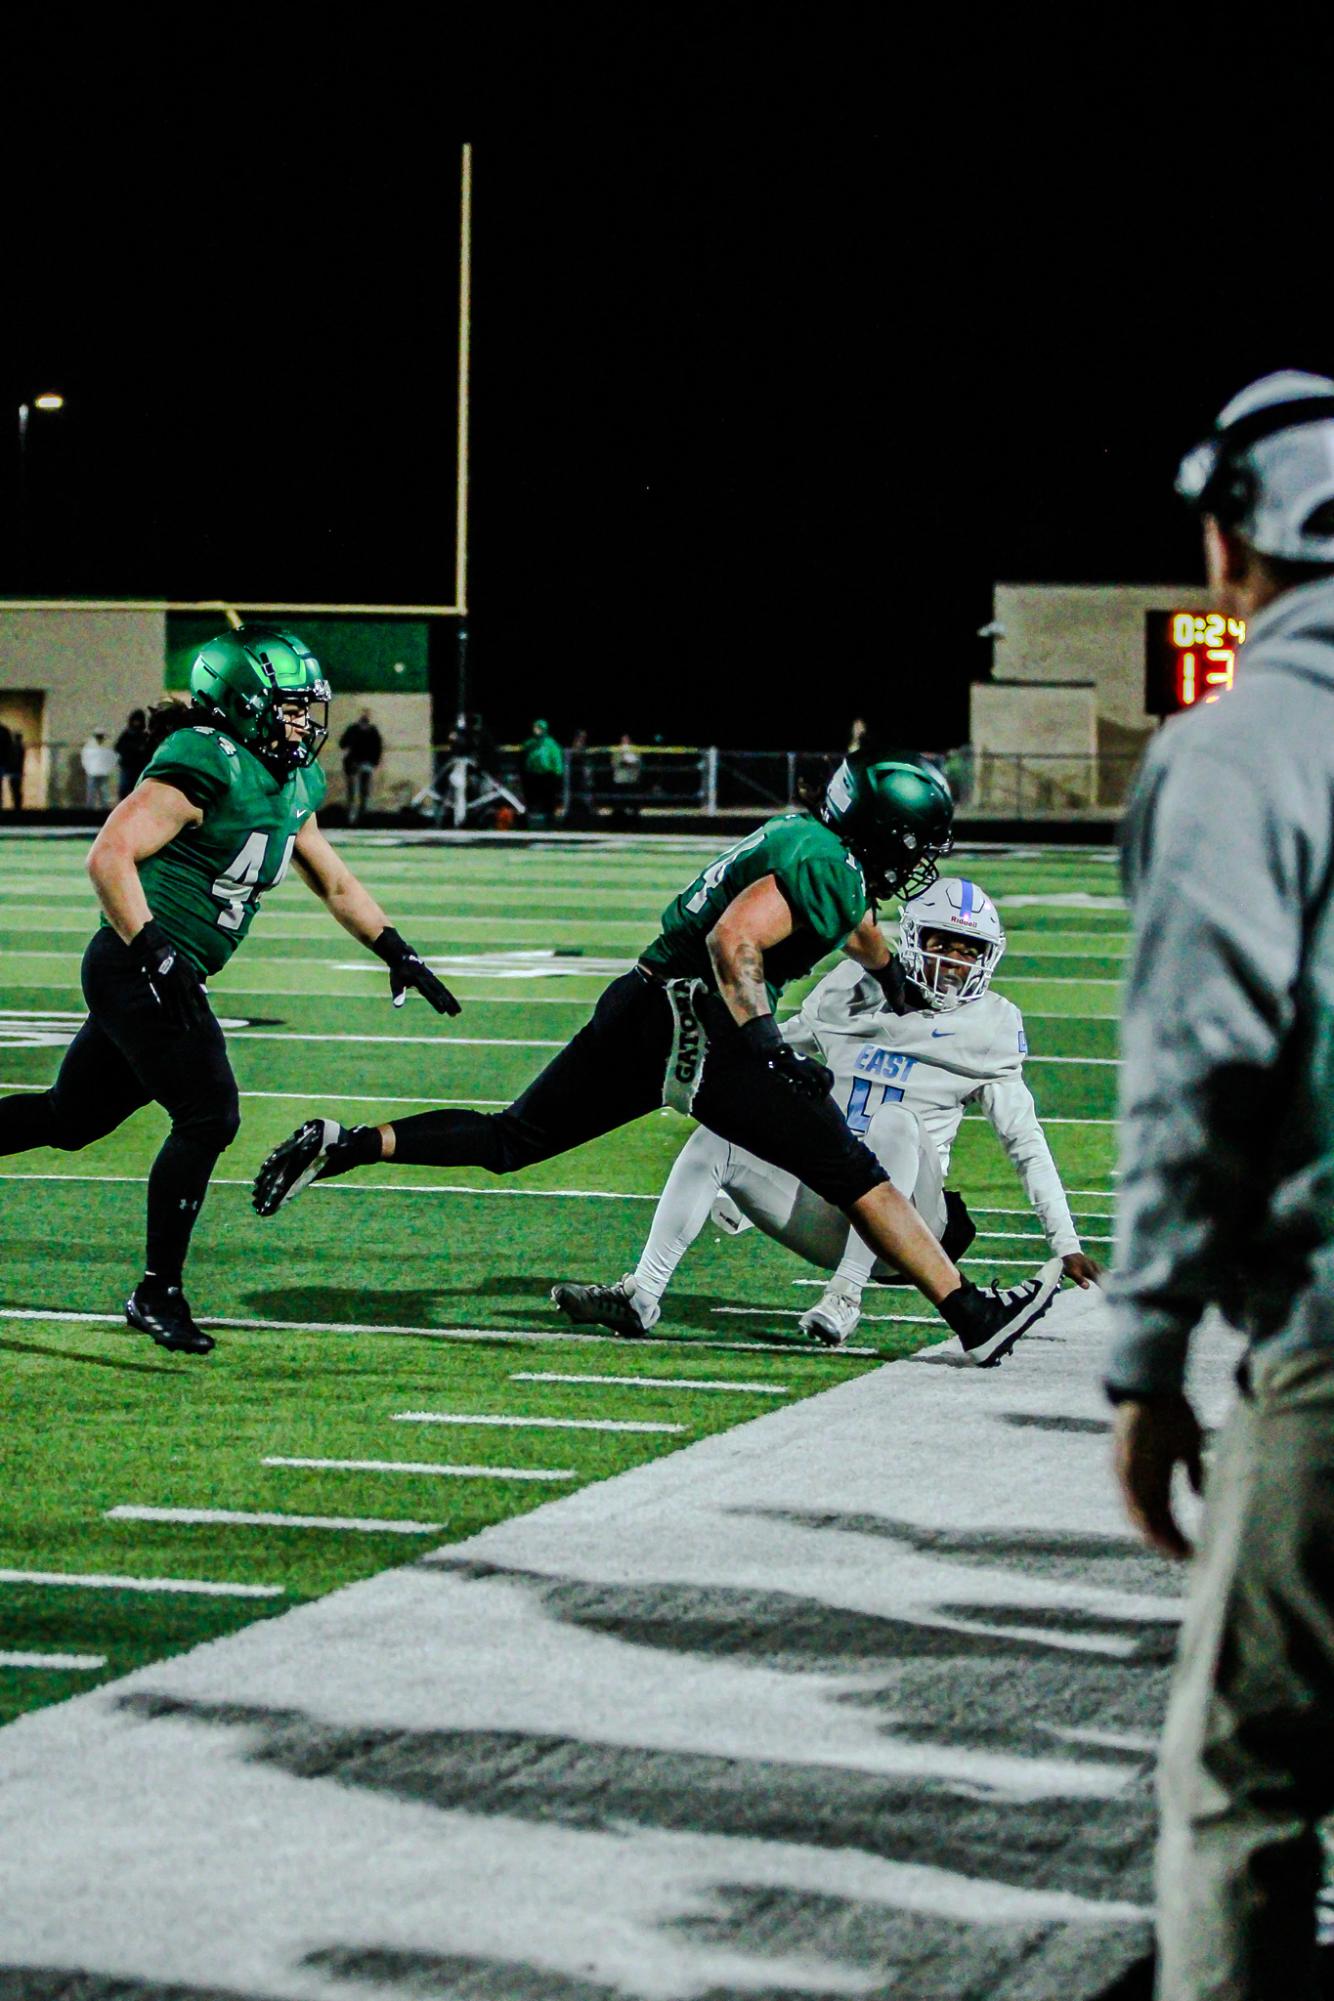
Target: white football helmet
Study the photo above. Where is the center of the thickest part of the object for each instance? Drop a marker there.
(958, 908)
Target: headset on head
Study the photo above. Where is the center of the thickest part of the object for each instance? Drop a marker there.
(1214, 478)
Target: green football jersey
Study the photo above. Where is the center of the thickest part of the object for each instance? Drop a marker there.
(823, 884)
(205, 886)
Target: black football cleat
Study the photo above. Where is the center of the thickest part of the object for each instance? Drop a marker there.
(164, 1312)
(611, 1306)
(990, 1319)
(295, 1163)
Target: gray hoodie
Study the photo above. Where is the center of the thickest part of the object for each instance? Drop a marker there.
(1227, 1086)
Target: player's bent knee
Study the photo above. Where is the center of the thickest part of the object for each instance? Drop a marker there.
(891, 1124)
(214, 1130)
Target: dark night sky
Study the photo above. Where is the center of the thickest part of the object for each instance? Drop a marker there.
(791, 336)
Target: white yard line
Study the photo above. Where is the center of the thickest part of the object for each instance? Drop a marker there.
(1028, 1237)
(262, 1519)
(372, 1188)
(433, 1468)
(74, 1663)
(340, 1098)
(529, 1423)
(786, 1313)
(546, 1336)
(654, 1382)
(96, 1580)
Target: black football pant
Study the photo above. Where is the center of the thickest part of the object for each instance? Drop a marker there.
(612, 1072)
(124, 1057)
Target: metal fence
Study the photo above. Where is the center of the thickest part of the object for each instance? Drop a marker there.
(622, 783)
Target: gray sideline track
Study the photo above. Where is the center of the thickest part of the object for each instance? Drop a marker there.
(858, 1699)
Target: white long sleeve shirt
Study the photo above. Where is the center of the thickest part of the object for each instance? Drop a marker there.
(936, 1063)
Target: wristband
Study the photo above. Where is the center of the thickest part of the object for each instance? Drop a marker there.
(762, 1035)
(390, 947)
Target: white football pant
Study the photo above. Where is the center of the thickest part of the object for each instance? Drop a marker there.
(783, 1207)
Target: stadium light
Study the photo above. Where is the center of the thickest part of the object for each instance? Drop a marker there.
(50, 401)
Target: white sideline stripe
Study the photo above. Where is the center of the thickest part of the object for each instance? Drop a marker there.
(529, 1423)
(245, 1518)
(97, 1580)
(76, 1663)
(654, 1382)
(440, 1471)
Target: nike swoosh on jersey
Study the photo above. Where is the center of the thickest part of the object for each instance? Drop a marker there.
(943, 1031)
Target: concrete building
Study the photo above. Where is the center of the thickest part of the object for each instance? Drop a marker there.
(1064, 719)
(68, 668)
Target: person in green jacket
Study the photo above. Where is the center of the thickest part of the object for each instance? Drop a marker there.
(542, 763)
(227, 800)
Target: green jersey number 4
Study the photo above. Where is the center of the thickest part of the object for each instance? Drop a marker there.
(240, 879)
(716, 870)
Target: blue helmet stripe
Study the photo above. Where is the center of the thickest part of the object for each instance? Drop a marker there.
(965, 898)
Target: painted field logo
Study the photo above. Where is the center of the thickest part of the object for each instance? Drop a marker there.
(56, 1028)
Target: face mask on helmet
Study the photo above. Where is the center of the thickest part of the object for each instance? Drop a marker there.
(265, 688)
(953, 909)
(894, 812)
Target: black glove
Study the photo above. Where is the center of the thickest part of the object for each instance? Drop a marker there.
(801, 1074)
(172, 980)
(407, 969)
(893, 984)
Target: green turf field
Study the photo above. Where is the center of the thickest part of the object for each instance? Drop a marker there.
(425, 1291)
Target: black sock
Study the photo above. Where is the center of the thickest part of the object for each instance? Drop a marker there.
(360, 1146)
(956, 1309)
(177, 1185)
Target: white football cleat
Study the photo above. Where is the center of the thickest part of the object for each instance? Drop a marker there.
(835, 1313)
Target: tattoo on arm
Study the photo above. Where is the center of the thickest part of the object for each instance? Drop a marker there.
(741, 980)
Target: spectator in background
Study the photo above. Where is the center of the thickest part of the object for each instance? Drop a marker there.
(6, 758)
(133, 751)
(627, 766)
(542, 764)
(362, 747)
(856, 736)
(14, 769)
(99, 761)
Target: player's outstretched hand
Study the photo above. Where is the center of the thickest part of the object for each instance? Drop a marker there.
(172, 980)
(408, 969)
(1083, 1270)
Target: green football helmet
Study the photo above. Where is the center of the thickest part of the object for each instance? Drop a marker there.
(894, 811)
(260, 683)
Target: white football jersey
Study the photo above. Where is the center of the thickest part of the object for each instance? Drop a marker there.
(935, 1064)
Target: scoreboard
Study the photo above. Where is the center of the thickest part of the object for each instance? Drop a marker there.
(1189, 657)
